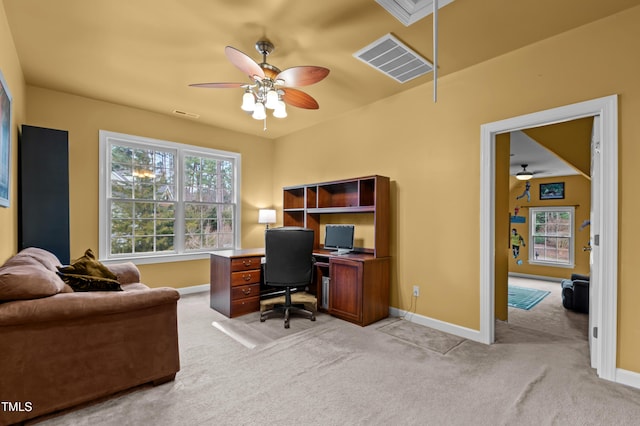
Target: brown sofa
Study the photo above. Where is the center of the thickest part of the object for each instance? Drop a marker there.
(60, 348)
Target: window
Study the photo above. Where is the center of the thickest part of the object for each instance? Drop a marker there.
(552, 236)
(161, 199)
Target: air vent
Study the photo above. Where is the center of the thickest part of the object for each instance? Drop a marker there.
(393, 58)
(186, 114)
(410, 11)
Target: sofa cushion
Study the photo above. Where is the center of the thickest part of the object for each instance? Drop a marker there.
(28, 279)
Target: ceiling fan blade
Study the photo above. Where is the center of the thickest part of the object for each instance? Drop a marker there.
(302, 76)
(219, 85)
(243, 62)
(298, 98)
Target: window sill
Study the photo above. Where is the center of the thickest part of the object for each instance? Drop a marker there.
(554, 265)
(158, 258)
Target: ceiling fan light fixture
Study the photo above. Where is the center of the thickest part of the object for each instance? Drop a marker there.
(524, 175)
(281, 110)
(259, 112)
(270, 87)
(272, 99)
(248, 101)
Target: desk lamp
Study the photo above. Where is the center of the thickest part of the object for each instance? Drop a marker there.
(266, 216)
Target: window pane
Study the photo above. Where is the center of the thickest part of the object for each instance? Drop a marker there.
(121, 245)
(164, 244)
(121, 209)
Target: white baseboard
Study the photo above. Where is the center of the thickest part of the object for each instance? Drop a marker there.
(629, 378)
(446, 327)
(193, 289)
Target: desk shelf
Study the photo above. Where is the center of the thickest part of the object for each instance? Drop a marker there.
(304, 204)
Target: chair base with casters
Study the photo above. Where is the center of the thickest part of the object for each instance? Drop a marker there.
(286, 309)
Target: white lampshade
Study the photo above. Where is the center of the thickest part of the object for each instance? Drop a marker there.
(266, 216)
(259, 113)
(248, 101)
(524, 175)
(272, 99)
(281, 110)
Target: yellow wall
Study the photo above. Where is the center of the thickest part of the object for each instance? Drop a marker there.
(83, 118)
(431, 152)
(578, 194)
(12, 72)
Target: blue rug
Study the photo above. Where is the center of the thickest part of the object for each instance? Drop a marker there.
(525, 298)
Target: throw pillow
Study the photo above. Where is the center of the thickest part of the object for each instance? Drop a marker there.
(88, 265)
(90, 283)
(23, 281)
(88, 274)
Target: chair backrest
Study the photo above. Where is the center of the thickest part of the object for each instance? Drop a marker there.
(288, 256)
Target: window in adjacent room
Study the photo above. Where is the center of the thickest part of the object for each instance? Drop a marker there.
(160, 199)
(552, 236)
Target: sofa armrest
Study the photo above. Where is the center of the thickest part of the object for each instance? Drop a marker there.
(83, 305)
(126, 272)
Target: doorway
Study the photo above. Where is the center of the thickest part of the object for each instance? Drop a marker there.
(602, 327)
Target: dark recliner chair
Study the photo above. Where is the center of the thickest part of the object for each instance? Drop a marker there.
(575, 293)
(289, 263)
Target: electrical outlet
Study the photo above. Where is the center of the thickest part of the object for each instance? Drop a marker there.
(416, 290)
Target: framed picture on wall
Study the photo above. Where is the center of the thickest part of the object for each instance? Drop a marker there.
(552, 191)
(5, 142)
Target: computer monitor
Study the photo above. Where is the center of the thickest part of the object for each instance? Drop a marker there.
(339, 238)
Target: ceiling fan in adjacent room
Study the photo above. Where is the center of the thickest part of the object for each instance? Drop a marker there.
(525, 174)
(270, 88)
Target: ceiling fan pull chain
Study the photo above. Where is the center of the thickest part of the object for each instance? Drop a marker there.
(264, 128)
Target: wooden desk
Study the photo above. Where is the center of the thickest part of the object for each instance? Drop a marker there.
(359, 287)
(358, 290)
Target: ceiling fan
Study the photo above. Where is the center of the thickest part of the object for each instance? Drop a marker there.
(270, 88)
(525, 174)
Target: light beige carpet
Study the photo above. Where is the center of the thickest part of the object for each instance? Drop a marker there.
(331, 372)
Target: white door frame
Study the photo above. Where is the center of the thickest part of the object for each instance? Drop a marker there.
(606, 299)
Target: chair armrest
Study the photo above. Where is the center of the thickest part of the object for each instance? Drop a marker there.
(126, 272)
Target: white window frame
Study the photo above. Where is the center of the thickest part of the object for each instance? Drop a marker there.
(106, 138)
(572, 243)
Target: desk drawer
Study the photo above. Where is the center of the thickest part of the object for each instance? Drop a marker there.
(245, 291)
(245, 277)
(245, 263)
(245, 306)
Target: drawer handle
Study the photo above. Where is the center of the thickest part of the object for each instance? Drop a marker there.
(247, 262)
(247, 277)
(246, 291)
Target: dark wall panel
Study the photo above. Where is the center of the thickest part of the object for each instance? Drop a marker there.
(44, 191)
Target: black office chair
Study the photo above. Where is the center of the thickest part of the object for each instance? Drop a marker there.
(289, 263)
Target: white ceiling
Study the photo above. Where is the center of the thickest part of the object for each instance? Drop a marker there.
(541, 161)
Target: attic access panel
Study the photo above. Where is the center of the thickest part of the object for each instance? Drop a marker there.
(410, 11)
(395, 59)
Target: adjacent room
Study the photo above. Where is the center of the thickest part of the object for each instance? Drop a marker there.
(338, 212)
